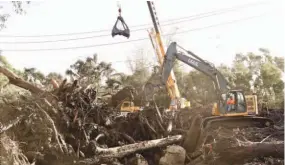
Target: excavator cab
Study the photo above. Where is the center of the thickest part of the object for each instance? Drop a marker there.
(232, 111)
(231, 104)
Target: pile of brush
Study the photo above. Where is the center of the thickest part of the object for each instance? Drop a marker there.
(70, 125)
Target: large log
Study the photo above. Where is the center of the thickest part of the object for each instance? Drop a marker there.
(18, 81)
(119, 152)
(251, 150)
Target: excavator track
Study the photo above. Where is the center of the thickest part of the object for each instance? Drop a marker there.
(199, 128)
(235, 122)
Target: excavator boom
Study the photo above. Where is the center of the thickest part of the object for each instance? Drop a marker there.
(221, 84)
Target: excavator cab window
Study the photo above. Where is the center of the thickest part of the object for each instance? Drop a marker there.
(241, 103)
(231, 102)
(123, 29)
(126, 104)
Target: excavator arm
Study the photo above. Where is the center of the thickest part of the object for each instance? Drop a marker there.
(220, 83)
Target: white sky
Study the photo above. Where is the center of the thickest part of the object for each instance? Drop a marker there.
(218, 44)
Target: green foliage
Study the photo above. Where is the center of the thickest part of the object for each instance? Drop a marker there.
(279, 61)
(241, 74)
(55, 76)
(37, 75)
(90, 71)
(198, 88)
(254, 73)
(140, 73)
(19, 6)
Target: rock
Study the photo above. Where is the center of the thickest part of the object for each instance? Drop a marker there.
(138, 160)
(174, 155)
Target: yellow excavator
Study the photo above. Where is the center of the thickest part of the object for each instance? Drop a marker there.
(239, 112)
(242, 113)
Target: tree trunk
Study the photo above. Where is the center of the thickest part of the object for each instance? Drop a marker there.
(250, 151)
(119, 152)
(18, 81)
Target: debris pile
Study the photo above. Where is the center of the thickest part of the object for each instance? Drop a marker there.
(69, 126)
(69, 123)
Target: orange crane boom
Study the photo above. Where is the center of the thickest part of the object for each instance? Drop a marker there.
(171, 84)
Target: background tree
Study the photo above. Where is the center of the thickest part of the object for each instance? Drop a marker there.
(90, 71)
(56, 76)
(259, 73)
(17, 6)
(140, 69)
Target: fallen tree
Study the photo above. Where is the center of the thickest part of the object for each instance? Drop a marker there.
(249, 150)
(239, 146)
(18, 81)
(119, 152)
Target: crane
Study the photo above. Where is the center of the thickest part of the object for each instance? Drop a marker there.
(174, 96)
(176, 101)
(238, 112)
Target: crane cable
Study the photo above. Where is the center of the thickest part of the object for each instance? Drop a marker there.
(171, 22)
(134, 40)
(119, 8)
(89, 37)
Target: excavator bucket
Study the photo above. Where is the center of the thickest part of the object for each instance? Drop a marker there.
(168, 61)
(124, 32)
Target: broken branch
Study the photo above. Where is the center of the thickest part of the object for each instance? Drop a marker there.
(118, 152)
(12, 123)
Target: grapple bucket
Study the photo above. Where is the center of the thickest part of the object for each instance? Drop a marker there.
(124, 32)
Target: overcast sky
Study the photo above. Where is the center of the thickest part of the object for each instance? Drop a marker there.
(218, 44)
